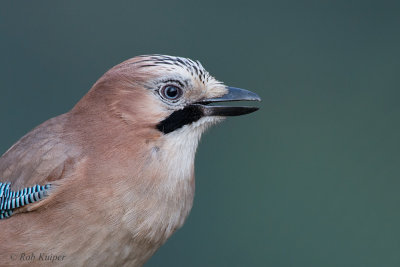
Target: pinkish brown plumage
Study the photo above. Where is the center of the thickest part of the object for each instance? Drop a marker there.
(120, 165)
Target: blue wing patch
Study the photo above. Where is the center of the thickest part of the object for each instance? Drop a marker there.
(10, 200)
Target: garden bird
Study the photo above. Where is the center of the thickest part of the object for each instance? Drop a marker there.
(107, 183)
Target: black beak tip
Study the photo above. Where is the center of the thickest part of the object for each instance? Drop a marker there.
(258, 99)
(251, 110)
(248, 96)
(233, 94)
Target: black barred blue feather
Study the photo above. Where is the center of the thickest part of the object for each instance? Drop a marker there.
(10, 200)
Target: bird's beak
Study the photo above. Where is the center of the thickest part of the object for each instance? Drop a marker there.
(196, 111)
(233, 94)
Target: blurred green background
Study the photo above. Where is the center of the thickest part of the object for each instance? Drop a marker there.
(312, 179)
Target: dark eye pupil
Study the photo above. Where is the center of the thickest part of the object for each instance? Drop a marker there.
(171, 92)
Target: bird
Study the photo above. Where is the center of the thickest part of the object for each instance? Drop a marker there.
(108, 182)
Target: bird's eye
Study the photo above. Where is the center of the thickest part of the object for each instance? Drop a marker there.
(171, 92)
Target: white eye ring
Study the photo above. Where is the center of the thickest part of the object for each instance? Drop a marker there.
(171, 92)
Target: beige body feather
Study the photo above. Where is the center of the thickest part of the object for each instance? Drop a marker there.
(120, 187)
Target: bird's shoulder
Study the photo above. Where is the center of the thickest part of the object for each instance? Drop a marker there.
(40, 157)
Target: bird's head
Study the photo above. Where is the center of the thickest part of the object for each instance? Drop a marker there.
(167, 94)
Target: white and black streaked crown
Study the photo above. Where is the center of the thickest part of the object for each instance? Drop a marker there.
(171, 62)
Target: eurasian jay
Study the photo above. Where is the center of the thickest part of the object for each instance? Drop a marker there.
(107, 183)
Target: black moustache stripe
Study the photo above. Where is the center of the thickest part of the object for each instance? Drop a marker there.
(180, 118)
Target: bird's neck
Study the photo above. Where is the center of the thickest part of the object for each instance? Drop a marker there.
(157, 192)
(150, 176)
(170, 168)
